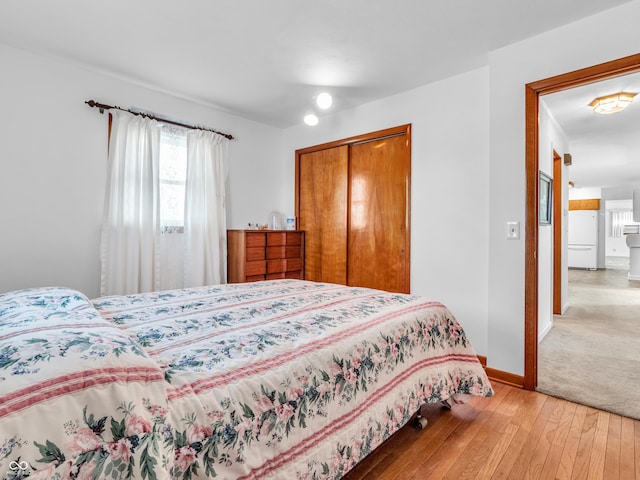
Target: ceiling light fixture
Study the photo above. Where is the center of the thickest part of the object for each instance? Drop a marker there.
(612, 103)
(324, 100)
(311, 119)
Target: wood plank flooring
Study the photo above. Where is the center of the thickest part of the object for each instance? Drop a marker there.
(517, 434)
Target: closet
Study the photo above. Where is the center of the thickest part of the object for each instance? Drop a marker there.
(353, 203)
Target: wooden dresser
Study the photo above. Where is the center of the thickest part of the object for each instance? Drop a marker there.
(254, 255)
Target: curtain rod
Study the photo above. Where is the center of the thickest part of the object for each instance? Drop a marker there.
(102, 107)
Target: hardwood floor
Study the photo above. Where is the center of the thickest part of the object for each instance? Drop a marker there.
(517, 434)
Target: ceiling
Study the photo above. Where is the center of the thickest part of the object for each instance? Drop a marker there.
(605, 149)
(266, 60)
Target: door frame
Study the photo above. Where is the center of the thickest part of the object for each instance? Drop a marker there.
(533, 91)
(556, 225)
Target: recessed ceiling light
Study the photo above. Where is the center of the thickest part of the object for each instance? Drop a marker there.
(324, 100)
(311, 119)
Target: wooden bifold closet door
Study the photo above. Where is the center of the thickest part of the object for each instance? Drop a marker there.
(352, 201)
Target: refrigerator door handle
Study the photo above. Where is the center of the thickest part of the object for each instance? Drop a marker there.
(581, 247)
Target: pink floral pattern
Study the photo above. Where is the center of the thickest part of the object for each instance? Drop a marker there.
(238, 381)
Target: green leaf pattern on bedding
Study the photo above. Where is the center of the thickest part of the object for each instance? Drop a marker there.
(195, 430)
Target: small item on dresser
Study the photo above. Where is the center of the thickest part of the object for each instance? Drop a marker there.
(276, 220)
(258, 226)
(290, 223)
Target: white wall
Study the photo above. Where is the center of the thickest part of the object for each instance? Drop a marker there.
(551, 138)
(450, 196)
(53, 159)
(558, 51)
(585, 193)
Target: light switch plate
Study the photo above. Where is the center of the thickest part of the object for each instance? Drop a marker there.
(513, 230)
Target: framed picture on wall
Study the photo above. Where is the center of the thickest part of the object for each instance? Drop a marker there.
(545, 193)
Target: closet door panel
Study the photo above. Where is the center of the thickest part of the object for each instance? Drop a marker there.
(323, 177)
(378, 250)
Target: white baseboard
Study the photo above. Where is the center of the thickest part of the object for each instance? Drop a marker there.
(545, 331)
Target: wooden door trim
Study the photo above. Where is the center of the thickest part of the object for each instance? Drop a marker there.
(533, 91)
(556, 224)
(366, 137)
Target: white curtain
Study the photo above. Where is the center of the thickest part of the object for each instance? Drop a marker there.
(138, 253)
(205, 241)
(620, 218)
(130, 232)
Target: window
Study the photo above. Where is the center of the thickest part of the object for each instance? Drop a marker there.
(155, 199)
(172, 177)
(620, 218)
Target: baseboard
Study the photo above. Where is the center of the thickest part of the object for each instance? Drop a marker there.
(505, 377)
(483, 360)
(500, 376)
(544, 332)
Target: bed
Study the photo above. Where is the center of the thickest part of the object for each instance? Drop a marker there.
(274, 379)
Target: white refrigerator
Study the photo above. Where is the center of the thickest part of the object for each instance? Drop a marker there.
(583, 239)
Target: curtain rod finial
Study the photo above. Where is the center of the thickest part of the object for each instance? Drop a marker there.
(93, 103)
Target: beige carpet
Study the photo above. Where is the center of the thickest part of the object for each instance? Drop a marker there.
(592, 354)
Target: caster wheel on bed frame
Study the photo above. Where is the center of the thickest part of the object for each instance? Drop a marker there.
(420, 422)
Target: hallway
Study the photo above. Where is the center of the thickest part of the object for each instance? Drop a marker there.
(592, 353)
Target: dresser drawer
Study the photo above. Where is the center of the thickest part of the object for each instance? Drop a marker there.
(277, 238)
(255, 253)
(294, 238)
(276, 276)
(284, 238)
(293, 251)
(275, 266)
(255, 268)
(284, 265)
(284, 251)
(293, 264)
(255, 239)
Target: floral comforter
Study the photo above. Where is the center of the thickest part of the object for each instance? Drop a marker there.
(276, 379)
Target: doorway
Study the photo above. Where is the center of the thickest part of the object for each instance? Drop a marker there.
(533, 91)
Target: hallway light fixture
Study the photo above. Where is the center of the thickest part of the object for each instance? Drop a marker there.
(612, 103)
